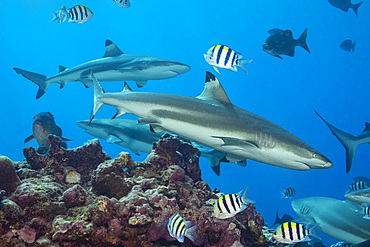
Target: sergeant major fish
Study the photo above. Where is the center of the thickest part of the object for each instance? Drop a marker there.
(361, 185)
(288, 193)
(229, 205)
(282, 42)
(123, 3)
(79, 14)
(224, 57)
(43, 125)
(292, 232)
(178, 228)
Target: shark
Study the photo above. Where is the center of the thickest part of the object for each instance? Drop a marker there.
(137, 137)
(336, 218)
(213, 121)
(113, 66)
(349, 142)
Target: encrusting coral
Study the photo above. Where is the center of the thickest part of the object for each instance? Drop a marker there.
(117, 202)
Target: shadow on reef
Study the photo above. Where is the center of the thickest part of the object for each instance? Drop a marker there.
(82, 197)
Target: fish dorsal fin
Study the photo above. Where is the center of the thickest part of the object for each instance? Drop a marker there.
(62, 68)
(111, 50)
(367, 127)
(213, 90)
(274, 31)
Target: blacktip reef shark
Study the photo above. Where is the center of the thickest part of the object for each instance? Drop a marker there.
(336, 218)
(349, 142)
(137, 137)
(113, 66)
(211, 120)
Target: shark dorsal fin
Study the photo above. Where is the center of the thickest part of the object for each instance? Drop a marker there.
(213, 90)
(111, 50)
(62, 68)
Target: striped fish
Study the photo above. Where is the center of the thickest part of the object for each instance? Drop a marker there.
(342, 244)
(229, 205)
(123, 3)
(224, 57)
(364, 209)
(178, 228)
(291, 232)
(361, 185)
(288, 193)
(79, 14)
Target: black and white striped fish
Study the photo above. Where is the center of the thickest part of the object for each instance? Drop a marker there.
(360, 185)
(123, 3)
(224, 57)
(178, 228)
(291, 232)
(229, 205)
(288, 193)
(79, 14)
(364, 210)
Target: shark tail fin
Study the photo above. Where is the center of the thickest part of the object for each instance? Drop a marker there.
(39, 79)
(302, 41)
(277, 219)
(356, 6)
(243, 62)
(98, 91)
(349, 142)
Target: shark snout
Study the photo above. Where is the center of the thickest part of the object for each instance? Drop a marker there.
(171, 66)
(83, 124)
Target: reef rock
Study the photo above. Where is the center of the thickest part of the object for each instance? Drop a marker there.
(118, 202)
(8, 177)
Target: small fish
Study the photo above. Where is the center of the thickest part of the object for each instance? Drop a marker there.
(342, 244)
(361, 185)
(364, 210)
(231, 204)
(347, 45)
(283, 219)
(79, 14)
(224, 57)
(282, 42)
(123, 3)
(60, 16)
(42, 126)
(345, 5)
(178, 228)
(291, 232)
(288, 193)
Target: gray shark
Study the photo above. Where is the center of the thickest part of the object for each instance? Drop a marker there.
(113, 66)
(335, 218)
(137, 137)
(349, 142)
(211, 120)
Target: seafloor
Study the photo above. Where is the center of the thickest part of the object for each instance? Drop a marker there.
(82, 197)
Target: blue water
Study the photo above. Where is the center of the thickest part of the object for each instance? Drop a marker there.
(286, 92)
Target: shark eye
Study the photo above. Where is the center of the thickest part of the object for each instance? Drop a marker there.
(314, 156)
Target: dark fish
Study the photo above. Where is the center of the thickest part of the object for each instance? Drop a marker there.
(285, 218)
(348, 45)
(288, 193)
(42, 126)
(282, 42)
(345, 5)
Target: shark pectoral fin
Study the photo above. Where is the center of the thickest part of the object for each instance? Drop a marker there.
(30, 138)
(242, 163)
(135, 152)
(113, 139)
(235, 143)
(66, 140)
(141, 83)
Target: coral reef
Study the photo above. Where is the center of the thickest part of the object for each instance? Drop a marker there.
(81, 197)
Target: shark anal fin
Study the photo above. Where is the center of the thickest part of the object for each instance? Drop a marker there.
(30, 138)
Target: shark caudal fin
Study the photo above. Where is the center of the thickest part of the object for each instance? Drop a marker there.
(356, 6)
(98, 91)
(39, 79)
(302, 40)
(349, 142)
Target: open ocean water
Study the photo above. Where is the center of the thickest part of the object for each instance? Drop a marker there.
(333, 82)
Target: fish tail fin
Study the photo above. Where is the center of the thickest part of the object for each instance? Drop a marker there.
(39, 79)
(302, 40)
(349, 142)
(245, 198)
(277, 219)
(282, 194)
(98, 91)
(55, 16)
(189, 233)
(243, 62)
(353, 46)
(313, 232)
(356, 6)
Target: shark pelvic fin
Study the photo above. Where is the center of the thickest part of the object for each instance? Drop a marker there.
(213, 90)
(62, 68)
(111, 50)
(140, 83)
